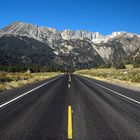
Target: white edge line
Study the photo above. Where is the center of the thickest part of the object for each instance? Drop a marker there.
(135, 101)
(6, 103)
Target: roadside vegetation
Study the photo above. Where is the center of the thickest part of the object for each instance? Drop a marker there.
(129, 75)
(14, 80)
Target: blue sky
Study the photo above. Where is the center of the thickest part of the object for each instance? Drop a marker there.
(104, 16)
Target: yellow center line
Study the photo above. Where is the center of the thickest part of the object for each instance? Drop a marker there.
(69, 123)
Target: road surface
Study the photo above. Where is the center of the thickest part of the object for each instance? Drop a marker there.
(70, 106)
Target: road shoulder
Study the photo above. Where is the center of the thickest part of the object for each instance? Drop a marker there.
(128, 85)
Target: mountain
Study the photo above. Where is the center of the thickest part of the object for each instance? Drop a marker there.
(134, 58)
(24, 51)
(79, 49)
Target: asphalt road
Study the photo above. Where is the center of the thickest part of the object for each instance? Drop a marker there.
(100, 111)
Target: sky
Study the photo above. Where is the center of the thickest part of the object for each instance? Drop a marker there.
(104, 16)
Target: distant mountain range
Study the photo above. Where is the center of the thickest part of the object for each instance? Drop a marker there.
(26, 44)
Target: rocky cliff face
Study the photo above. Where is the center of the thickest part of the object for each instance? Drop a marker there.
(82, 47)
(68, 34)
(44, 34)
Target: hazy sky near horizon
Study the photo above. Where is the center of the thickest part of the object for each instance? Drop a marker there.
(104, 16)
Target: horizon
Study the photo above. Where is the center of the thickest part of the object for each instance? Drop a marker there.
(104, 17)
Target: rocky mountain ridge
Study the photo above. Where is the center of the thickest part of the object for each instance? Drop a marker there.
(50, 34)
(84, 48)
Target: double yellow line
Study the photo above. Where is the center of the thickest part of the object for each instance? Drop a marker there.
(69, 123)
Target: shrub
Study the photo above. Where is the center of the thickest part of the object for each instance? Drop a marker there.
(4, 78)
(119, 65)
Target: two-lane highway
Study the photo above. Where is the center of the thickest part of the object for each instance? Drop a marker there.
(55, 108)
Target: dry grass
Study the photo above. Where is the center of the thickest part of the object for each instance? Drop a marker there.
(129, 76)
(14, 80)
